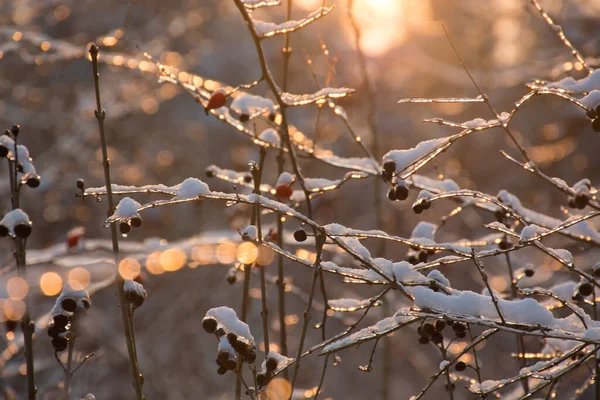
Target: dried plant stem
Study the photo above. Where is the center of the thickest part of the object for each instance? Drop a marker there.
(257, 176)
(27, 326)
(520, 341)
(69, 367)
(287, 52)
(126, 312)
(319, 242)
(475, 358)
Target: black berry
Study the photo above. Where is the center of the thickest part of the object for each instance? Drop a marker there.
(221, 370)
(300, 235)
(271, 364)
(427, 330)
(251, 356)
(33, 182)
(15, 130)
(581, 200)
(591, 114)
(596, 124)
(596, 270)
(391, 194)
(69, 305)
(437, 337)
(80, 184)
(460, 366)
(440, 325)
(136, 222)
(423, 340)
(61, 320)
(529, 272)
(459, 327)
(209, 172)
(586, 289)
(59, 343)
(22, 230)
(209, 324)
(124, 227)
(401, 192)
(389, 166)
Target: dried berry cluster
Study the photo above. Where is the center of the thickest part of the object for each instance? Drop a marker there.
(398, 190)
(232, 349)
(68, 310)
(432, 332)
(24, 167)
(269, 366)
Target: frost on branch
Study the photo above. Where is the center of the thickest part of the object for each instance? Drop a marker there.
(582, 230)
(351, 305)
(190, 188)
(270, 136)
(227, 319)
(407, 162)
(584, 85)
(293, 100)
(26, 172)
(254, 4)
(248, 106)
(125, 211)
(530, 232)
(269, 29)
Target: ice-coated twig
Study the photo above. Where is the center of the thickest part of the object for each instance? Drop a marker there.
(484, 277)
(487, 388)
(295, 100)
(270, 29)
(254, 4)
(126, 312)
(561, 35)
(478, 99)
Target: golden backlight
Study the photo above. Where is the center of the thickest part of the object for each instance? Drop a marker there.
(384, 24)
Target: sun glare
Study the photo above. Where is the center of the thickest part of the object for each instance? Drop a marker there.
(384, 23)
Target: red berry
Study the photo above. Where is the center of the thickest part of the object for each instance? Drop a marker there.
(284, 192)
(217, 100)
(74, 236)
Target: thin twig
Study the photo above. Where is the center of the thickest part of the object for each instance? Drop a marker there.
(320, 240)
(126, 313)
(561, 35)
(21, 260)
